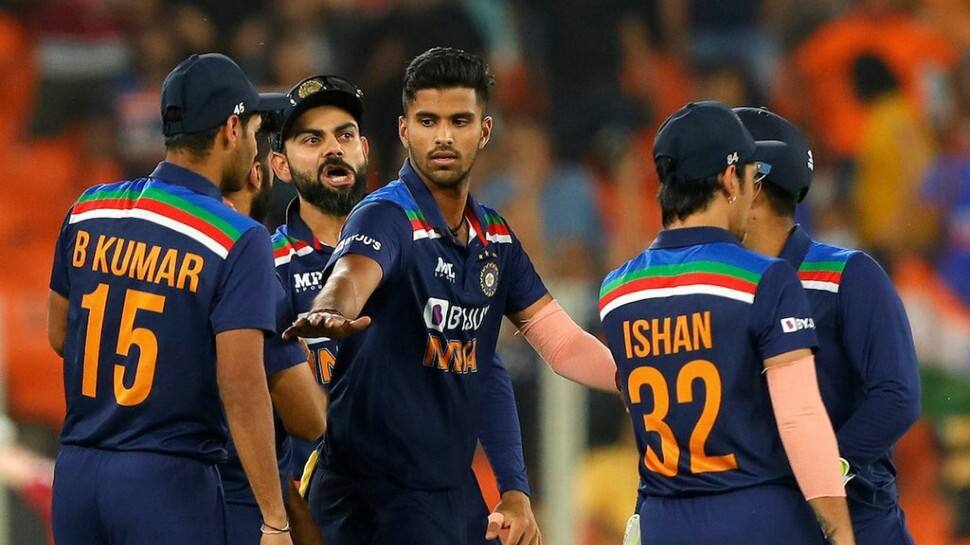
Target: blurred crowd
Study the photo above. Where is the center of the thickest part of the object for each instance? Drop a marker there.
(882, 88)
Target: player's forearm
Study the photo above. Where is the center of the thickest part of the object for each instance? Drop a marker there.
(500, 432)
(803, 425)
(832, 514)
(879, 421)
(246, 400)
(300, 403)
(569, 350)
(353, 280)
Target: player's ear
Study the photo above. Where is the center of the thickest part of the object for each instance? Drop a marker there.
(486, 132)
(402, 130)
(232, 130)
(730, 183)
(277, 161)
(255, 180)
(365, 146)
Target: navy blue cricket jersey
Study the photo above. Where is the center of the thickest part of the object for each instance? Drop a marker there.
(153, 269)
(300, 262)
(300, 259)
(690, 322)
(866, 361)
(407, 393)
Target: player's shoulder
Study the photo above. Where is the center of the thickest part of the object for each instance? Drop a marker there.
(285, 247)
(170, 206)
(736, 261)
(825, 266)
(496, 228)
(828, 267)
(394, 194)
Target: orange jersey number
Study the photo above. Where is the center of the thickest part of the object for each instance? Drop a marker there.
(666, 463)
(128, 336)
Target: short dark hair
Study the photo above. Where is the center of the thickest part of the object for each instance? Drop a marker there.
(781, 202)
(681, 198)
(199, 144)
(444, 67)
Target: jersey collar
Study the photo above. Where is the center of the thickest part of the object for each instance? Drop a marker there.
(428, 206)
(691, 236)
(297, 228)
(184, 177)
(796, 248)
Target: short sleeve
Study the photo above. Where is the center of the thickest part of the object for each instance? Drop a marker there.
(60, 277)
(525, 286)
(278, 354)
(379, 230)
(781, 317)
(247, 293)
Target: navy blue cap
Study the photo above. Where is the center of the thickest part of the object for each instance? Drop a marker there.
(204, 90)
(322, 90)
(704, 138)
(790, 158)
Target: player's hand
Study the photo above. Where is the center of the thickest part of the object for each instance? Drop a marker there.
(304, 531)
(275, 539)
(326, 323)
(513, 522)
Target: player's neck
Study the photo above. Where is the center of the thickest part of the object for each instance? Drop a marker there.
(324, 226)
(451, 201)
(207, 168)
(768, 234)
(240, 201)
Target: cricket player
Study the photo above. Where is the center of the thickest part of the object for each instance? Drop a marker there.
(160, 298)
(866, 361)
(714, 349)
(418, 285)
(321, 151)
(299, 404)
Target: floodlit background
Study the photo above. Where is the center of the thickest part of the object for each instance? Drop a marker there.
(582, 87)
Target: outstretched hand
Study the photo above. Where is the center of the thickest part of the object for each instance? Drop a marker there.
(326, 323)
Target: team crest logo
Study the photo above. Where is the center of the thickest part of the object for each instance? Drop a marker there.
(308, 88)
(489, 279)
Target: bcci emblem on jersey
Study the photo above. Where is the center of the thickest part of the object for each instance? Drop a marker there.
(488, 280)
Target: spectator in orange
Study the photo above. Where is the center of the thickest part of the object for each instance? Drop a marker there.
(910, 50)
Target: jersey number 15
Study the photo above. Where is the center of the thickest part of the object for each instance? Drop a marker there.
(128, 335)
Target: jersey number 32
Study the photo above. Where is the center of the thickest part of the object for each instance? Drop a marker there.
(667, 463)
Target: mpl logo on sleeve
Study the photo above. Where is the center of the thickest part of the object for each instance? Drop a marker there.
(791, 325)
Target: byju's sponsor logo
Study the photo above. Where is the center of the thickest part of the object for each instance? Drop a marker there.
(363, 239)
(442, 315)
(445, 270)
(791, 325)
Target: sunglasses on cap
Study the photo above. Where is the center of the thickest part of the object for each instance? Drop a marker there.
(316, 84)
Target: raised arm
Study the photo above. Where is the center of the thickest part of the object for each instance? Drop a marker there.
(336, 309)
(370, 251)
